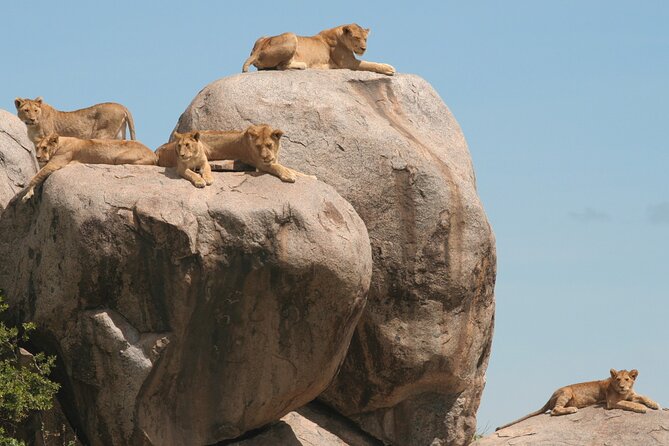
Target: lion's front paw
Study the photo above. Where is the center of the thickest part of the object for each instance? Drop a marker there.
(653, 405)
(387, 69)
(209, 180)
(288, 177)
(28, 195)
(199, 183)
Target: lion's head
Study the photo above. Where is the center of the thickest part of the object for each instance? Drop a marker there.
(623, 380)
(188, 144)
(355, 38)
(29, 110)
(45, 148)
(264, 142)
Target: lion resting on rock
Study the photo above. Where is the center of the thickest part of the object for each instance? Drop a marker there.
(192, 163)
(55, 152)
(615, 391)
(332, 48)
(257, 146)
(101, 121)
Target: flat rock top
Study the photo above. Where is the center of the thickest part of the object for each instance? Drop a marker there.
(594, 426)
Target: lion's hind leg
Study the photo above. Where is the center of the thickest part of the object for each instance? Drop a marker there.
(561, 402)
(275, 52)
(292, 65)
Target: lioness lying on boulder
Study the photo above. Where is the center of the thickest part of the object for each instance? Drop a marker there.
(257, 146)
(192, 161)
(615, 391)
(55, 152)
(332, 48)
(102, 121)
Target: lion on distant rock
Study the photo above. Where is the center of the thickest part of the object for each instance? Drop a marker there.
(616, 392)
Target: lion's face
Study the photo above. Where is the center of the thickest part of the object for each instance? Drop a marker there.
(29, 110)
(45, 148)
(187, 144)
(264, 141)
(623, 380)
(355, 38)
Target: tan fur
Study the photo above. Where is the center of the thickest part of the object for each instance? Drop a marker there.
(100, 121)
(329, 49)
(257, 146)
(615, 391)
(55, 152)
(191, 158)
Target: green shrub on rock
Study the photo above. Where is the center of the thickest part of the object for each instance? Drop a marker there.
(24, 383)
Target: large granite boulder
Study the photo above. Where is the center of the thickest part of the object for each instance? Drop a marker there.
(183, 315)
(17, 159)
(589, 426)
(390, 146)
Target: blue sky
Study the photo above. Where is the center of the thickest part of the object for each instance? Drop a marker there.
(563, 103)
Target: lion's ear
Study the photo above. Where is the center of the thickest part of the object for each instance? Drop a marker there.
(347, 29)
(634, 373)
(251, 132)
(613, 373)
(53, 139)
(39, 99)
(196, 136)
(367, 31)
(18, 102)
(277, 134)
(177, 135)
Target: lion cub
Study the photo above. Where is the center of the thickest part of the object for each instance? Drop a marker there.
(191, 158)
(615, 391)
(257, 146)
(55, 152)
(103, 121)
(330, 49)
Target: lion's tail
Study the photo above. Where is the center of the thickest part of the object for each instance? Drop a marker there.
(530, 415)
(131, 123)
(254, 55)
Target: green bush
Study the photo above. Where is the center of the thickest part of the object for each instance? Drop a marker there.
(23, 388)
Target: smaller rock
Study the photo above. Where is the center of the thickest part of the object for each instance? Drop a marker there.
(17, 159)
(311, 425)
(591, 425)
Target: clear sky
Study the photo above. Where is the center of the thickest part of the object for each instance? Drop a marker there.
(564, 105)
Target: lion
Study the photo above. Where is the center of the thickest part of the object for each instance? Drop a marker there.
(191, 158)
(257, 146)
(101, 121)
(615, 391)
(330, 49)
(55, 152)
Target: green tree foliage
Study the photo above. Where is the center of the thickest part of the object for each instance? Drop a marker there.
(24, 384)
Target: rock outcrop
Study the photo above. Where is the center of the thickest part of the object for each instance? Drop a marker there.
(415, 370)
(17, 159)
(589, 426)
(182, 315)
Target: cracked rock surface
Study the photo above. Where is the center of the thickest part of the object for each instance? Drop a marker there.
(17, 159)
(589, 426)
(183, 315)
(389, 145)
